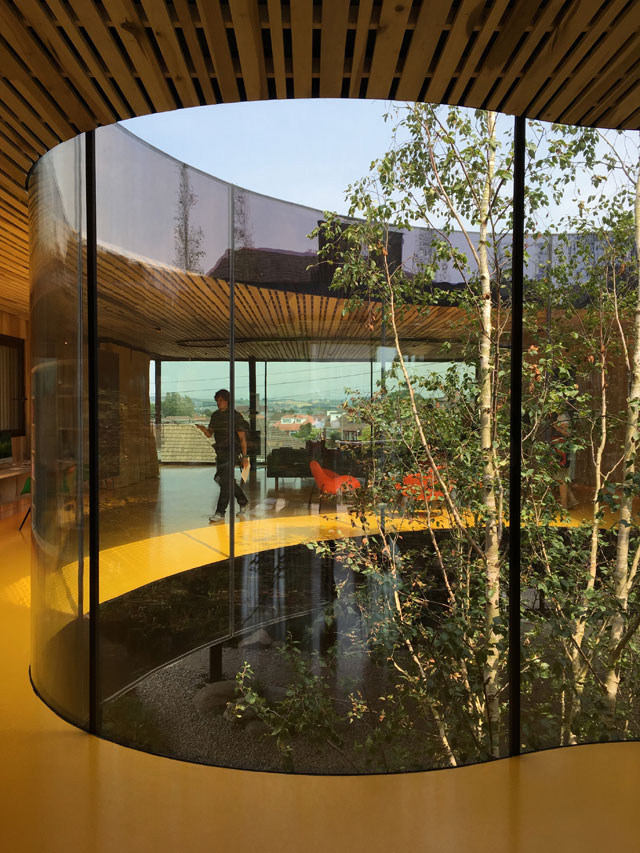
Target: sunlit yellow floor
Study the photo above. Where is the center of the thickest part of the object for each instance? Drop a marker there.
(276, 519)
(160, 528)
(63, 790)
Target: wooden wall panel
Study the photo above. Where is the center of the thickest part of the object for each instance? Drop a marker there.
(18, 327)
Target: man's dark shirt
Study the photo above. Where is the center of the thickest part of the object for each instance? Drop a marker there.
(219, 426)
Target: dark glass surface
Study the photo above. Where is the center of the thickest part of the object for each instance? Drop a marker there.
(59, 663)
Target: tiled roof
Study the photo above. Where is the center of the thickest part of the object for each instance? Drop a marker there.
(273, 268)
(185, 443)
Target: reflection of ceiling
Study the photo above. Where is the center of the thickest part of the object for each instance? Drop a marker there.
(72, 65)
(175, 314)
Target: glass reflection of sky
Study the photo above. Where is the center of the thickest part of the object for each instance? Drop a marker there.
(295, 381)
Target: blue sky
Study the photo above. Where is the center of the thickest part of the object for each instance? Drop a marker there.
(305, 151)
(280, 148)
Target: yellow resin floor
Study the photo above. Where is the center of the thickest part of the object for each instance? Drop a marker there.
(134, 562)
(63, 791)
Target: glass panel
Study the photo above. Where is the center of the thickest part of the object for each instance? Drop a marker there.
(164, 315)
(580, 526)
(338, 614)
(337, 409)
(59, 663)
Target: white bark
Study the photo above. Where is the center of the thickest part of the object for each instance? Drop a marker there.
(491, 546)
(621, 574)
(578, 664)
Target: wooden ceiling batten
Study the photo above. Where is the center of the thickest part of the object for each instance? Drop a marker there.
(394, 17)
(566, 31)
(25, 119)
(14, 208)
(17, 229)
(36, 64)
(467, 68)
(132, 33)
(277, 46)
(166, 37)
(246, 24)
(602, 64)
(92, 59)
(302, 46)
(626, 111)
(565, 71)
(614, 81)
(100, 41)
(10, 169)
(467, 16)
(48, 33)
(15, 155)
(513, 65)
(335, 18)
(363, 22)
(196, 55)
(216, 36)
(31, 91)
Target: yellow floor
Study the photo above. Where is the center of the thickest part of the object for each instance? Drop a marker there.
(64, 791)
(159, 527)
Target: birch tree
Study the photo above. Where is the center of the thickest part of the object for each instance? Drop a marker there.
(583, 642)
(425, 581)
(450, 173)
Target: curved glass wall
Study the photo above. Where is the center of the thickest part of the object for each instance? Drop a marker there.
(580, 537)
(304, 585)
(60, 628)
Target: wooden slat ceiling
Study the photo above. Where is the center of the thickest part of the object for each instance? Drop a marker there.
(67, 66)
(179, 315)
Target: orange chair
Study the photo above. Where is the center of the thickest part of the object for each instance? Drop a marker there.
(421, 486)
(329, 483)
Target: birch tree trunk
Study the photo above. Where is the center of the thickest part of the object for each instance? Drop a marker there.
(492, 605)
(621, 574)
(578, 664)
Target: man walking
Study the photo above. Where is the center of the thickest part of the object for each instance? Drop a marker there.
(219, 429)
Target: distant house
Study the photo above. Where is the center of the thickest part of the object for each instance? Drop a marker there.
(347, 429)
(292, 423)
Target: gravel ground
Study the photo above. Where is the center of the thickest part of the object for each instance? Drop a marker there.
(207, 737)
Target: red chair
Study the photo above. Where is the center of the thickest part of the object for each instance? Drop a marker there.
(329, 483)
(422, 487)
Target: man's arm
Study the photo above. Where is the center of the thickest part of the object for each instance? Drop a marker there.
(208, 432)
(242, 430)
(242, 436)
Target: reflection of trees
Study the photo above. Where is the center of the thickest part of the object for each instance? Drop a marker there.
(176, 404)
(242, 231)
(187, 237)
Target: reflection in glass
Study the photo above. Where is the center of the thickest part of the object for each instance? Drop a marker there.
(213, 629)
(59, 590)
(163, 589)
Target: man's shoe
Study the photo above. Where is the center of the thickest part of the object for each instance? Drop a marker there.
(242, 510)
(217, 517)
